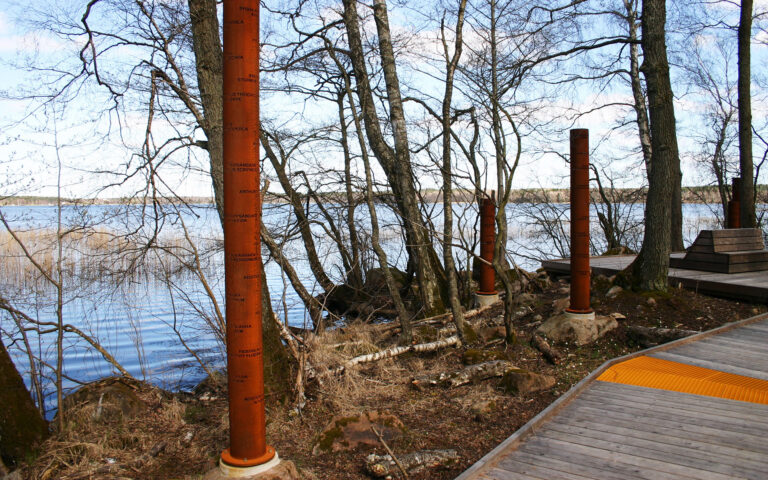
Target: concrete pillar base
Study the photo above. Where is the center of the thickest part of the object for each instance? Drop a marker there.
(485, 299)
(579, 316)
(274, 469)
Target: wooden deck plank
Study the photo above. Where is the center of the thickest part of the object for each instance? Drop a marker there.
(710, 419)
(749, 442)
(605, 430)
(751, 286)
(680, 445)
(586, 466)
(719, 351)
(655, 395)
(511, 466)
(666, 436)
(618, 458)
(750, 344)
(725, 356)
(593, 461)
(676, 456)
(696, 403)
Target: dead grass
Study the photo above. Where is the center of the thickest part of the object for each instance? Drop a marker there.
(435, 418)
(86, 254)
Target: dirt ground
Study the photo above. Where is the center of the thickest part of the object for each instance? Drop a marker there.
(182, 435)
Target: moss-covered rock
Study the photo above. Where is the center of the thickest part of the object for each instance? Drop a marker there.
(473, 356)
(351, 432)
(519, 382)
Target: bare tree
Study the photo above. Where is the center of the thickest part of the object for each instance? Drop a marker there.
(650, 268)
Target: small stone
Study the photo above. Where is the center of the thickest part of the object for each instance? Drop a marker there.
(651, 301)
(618, 316)
(347, 433)
(561, 304)
(537, 318)
(614, 291)
(525, 299)
(285, 470)
(519, 382)
(575, 329)
(483, 408)
(564, 290)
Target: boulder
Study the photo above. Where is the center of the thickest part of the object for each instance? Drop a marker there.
(614, 291)
(561, 304)
(581, 330)
(519, 382)
(375, 281)
(285, 470)
(350, 432)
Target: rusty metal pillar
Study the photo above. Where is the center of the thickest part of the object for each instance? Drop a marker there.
(248, 448)
(580, 271)
(734, 205)
(487, 240)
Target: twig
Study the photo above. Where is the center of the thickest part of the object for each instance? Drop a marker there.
(390, 452)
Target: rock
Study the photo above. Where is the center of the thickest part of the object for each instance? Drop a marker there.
(561, 304)
(618, 316)
(566, 289)
(112, 399)
(519, 382)
(384, 466)
(537, 318)
(375, 282)
(525, 299)
(471, 374)
(651, 301)
(285, 470)
(486, 334)
(614, 291)
(482, 407)
(348, 433)
(573, 329)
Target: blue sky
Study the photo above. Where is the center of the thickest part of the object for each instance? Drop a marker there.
(28, 156)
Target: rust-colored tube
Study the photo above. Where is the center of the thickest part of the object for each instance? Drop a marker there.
(580, 271)
(487, 239)
(242, 245)
(734, 205)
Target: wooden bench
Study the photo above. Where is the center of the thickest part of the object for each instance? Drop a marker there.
(733, 250)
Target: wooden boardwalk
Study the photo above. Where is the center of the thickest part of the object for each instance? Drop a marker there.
(632, 417)
(750, 286)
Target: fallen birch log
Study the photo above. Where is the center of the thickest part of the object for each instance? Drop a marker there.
(651, 336)
(396, 351)
(470, 374)
(442, 318)
(552, 355)
(382, 466)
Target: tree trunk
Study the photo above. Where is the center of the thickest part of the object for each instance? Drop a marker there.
(450, 267)
(396, 162)
(208, 51)
(641, 109)
(745, 118)
(355, 273)
(650, 268)
(206, 44)
(298, 209)
(21, 425)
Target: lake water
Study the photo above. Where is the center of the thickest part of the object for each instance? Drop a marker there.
(143, 319)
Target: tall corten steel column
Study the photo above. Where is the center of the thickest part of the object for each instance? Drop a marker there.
(487, 239)
(580, 271)
(248, 449)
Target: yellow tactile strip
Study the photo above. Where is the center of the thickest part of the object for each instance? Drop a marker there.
(679, 377)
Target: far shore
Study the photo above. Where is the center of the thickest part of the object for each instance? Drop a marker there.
(695, 194)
